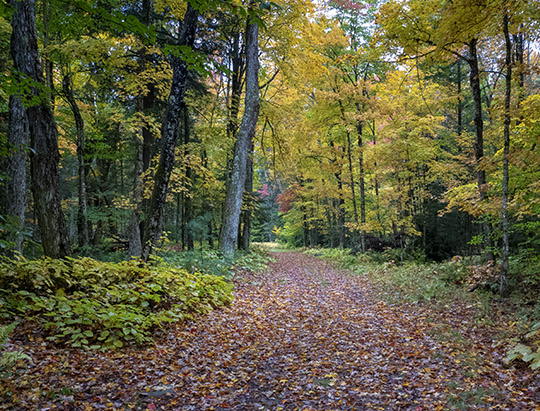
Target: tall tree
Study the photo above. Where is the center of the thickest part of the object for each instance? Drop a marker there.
(233, 200)
(169, 134)
(506, 153)
(44, 156)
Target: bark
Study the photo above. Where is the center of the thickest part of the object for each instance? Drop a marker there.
(508, 95)
(14, 191)
(169, 133)
(247, 211)
(47, 62)
(237, 74)
(460, 103)
(187, 204)
(234, 93)
(82, 223)
(233, 200)
(43, 132)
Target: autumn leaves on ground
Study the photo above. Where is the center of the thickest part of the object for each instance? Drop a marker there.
(301, 336)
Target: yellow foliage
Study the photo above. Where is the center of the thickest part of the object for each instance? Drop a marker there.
(177, 8)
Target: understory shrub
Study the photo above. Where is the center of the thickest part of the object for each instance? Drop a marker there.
(99, 305)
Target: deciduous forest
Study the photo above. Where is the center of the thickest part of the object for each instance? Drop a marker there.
(283, 205)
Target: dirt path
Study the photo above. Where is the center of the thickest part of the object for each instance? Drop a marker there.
(303, 336)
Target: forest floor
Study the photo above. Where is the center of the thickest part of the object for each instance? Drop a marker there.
(302, 336)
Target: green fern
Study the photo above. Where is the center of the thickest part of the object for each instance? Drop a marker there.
(8, 359)
(5, 332)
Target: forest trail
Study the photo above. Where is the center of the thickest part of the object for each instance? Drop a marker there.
(302, 336)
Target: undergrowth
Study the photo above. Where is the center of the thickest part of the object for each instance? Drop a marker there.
(442, 285)
(100, 305)
(210, 261)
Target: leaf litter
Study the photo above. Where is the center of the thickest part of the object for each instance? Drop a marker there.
(303, 335)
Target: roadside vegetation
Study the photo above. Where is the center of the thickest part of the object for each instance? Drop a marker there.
(462, 286)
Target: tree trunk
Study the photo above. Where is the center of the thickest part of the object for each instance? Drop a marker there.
(508, 95)
(246, 215)
(47, 62)
(14, 190)
(479, 141)
(341, 212)
(169, 133)
(43, 133)
(362, 185)
(233, 200)
(187, 203)
(82, 224)
(144, 149)
(353, 191)
(460, 103)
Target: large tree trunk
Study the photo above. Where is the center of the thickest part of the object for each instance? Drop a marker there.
(508, 95)
(169, 132)
(43, 132)
(14, 190)
(82, 223)
(233, 200)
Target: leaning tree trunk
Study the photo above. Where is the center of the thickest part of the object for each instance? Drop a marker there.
(14, 190)
(233, 199)
(43, 132)
(169, 132)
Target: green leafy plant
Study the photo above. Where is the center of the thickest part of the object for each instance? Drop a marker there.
(529, 350)
(96, 305)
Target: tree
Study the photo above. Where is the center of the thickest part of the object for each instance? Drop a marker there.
(169, 134)
(44, 156)
(233, 200)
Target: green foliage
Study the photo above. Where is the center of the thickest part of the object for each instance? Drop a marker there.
(9, 359)
(340, 256)
(256, 260)
(528, 350)
(205, 261)
(96, 305)
(411, 279)
(524, 268)
(213, 262)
